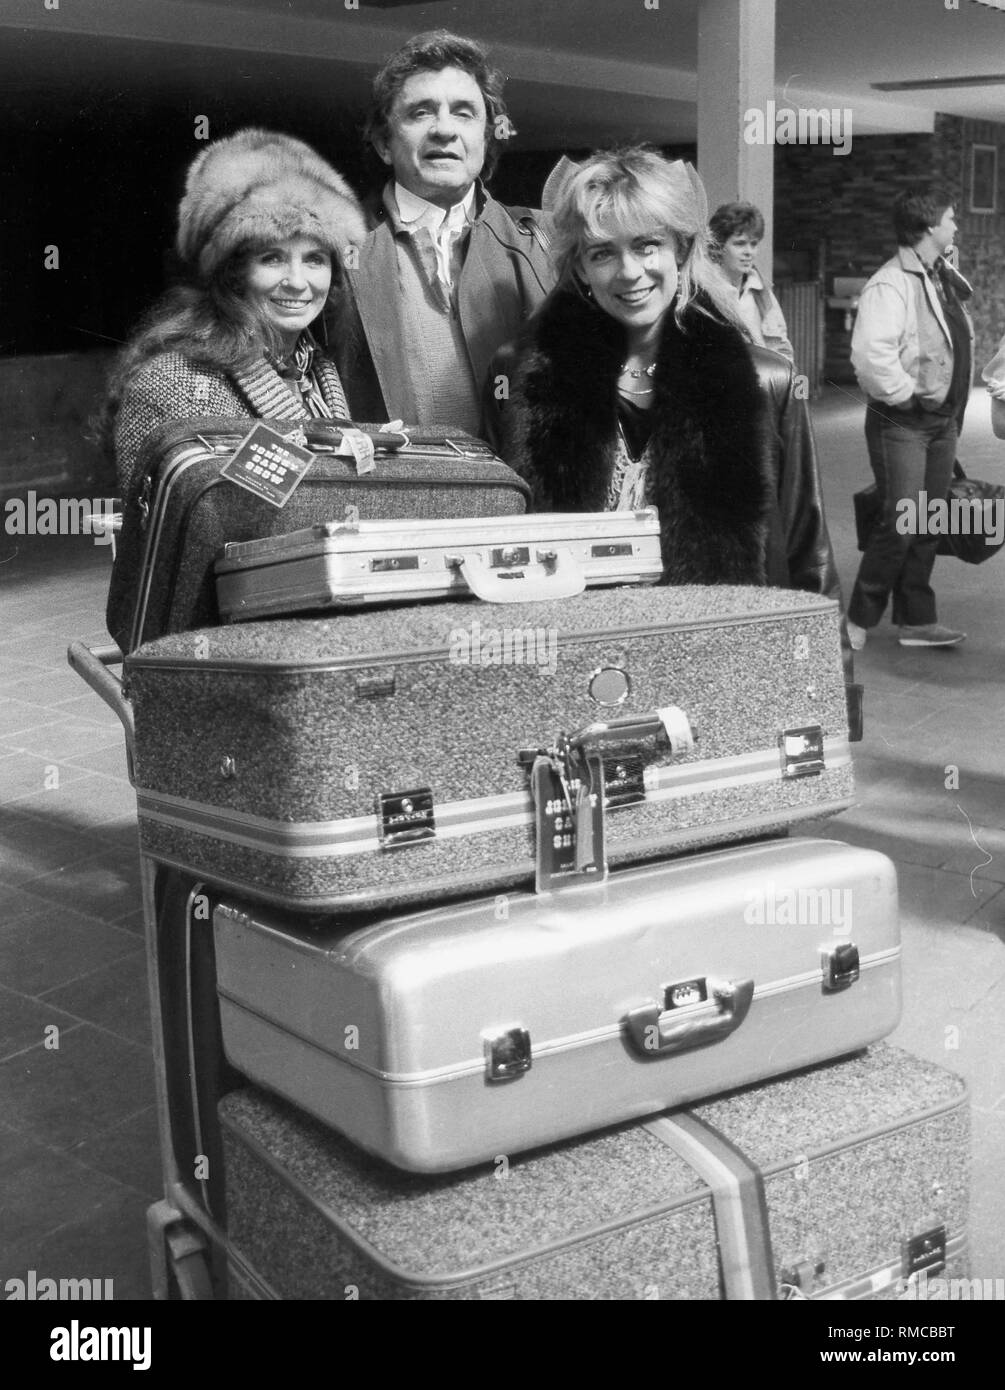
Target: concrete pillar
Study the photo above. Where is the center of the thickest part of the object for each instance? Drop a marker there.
(736, 73)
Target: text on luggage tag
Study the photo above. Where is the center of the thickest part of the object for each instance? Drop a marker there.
(567, 786)
(268, 464)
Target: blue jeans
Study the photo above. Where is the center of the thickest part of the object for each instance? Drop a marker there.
(911, 451)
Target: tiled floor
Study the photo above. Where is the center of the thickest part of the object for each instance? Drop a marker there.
(78, 1147)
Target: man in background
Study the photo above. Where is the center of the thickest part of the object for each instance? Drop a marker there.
(912, 354)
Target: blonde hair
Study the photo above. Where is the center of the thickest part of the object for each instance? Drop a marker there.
(637, 189)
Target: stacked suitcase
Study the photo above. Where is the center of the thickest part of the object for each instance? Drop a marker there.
(496, 889)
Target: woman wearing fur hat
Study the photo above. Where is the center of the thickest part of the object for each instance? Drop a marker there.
(636, 385)
(262, 228)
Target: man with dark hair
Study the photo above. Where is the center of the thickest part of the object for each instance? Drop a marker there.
(447, 274)
(912, 352)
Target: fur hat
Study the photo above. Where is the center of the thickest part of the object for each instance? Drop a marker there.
(258, 186)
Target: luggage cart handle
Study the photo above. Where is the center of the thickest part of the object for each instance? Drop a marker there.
(657, 1032)
(547, 572)
(91, 664)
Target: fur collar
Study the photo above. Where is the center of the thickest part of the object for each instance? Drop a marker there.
(710, 440)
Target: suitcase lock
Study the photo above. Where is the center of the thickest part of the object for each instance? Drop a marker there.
(507, 1055)
(404, 817)
(840, 966)
(926, 1251)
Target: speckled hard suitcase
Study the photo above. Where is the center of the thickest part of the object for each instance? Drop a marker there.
(847, 1181)
(386, 757)
(500, 559)
(440, 1039)
(185, 509)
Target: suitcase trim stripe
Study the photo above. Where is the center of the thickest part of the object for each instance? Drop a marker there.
(738, 1201)
(506, 1264)
(745, 828)
(357, 834)
(155, 525)
(475, 1066)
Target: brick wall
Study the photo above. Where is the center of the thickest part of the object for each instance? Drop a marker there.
(982, 234)
(833, 213)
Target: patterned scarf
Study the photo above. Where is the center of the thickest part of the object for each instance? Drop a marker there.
(298, 370)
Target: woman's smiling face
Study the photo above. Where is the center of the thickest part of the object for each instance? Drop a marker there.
(289, 283)
(633, 275)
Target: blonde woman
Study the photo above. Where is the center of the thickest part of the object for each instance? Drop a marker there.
(636, 385)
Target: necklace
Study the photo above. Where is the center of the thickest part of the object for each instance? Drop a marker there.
(641, 371)
(627, 391)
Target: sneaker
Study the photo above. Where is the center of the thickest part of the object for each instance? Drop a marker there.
(930, 635)
(856, 635)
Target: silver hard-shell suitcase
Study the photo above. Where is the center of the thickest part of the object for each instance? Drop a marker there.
(443, 1038)
(342, 564)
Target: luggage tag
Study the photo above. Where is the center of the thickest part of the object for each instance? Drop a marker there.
(567, 787)
(268, 464)
(361, 446)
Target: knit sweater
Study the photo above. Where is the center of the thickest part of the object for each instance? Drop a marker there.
(171, 387)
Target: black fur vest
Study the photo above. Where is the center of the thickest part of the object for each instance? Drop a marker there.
(709, 472)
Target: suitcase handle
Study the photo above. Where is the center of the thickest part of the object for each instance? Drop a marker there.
(553, 573)
(658, 1032)
(91, 664)
(668, 728)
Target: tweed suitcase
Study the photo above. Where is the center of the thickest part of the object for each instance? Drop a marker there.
(340, 565)
(440, 1039)
(387, 757)
(847, 1181)
(186, 509)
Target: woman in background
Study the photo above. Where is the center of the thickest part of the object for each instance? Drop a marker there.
(738, 229)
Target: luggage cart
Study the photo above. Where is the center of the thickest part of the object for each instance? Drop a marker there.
(185, 1229)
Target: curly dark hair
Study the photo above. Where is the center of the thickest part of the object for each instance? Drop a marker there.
(917, 209)
(432, 52)
(734, 219)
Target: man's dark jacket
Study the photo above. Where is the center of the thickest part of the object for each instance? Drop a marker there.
(505, 275)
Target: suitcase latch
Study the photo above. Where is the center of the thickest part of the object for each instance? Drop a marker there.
(923, 1252)
(507, 1055)
(802, 751)
(404, 817)
(798, 1279)
(509, 555)
(840, 966)
(386, 564)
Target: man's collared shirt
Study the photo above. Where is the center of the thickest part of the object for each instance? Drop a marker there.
(445, 228)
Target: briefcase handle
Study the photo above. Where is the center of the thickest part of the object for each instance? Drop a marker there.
(654, 1031)
(546, 572)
